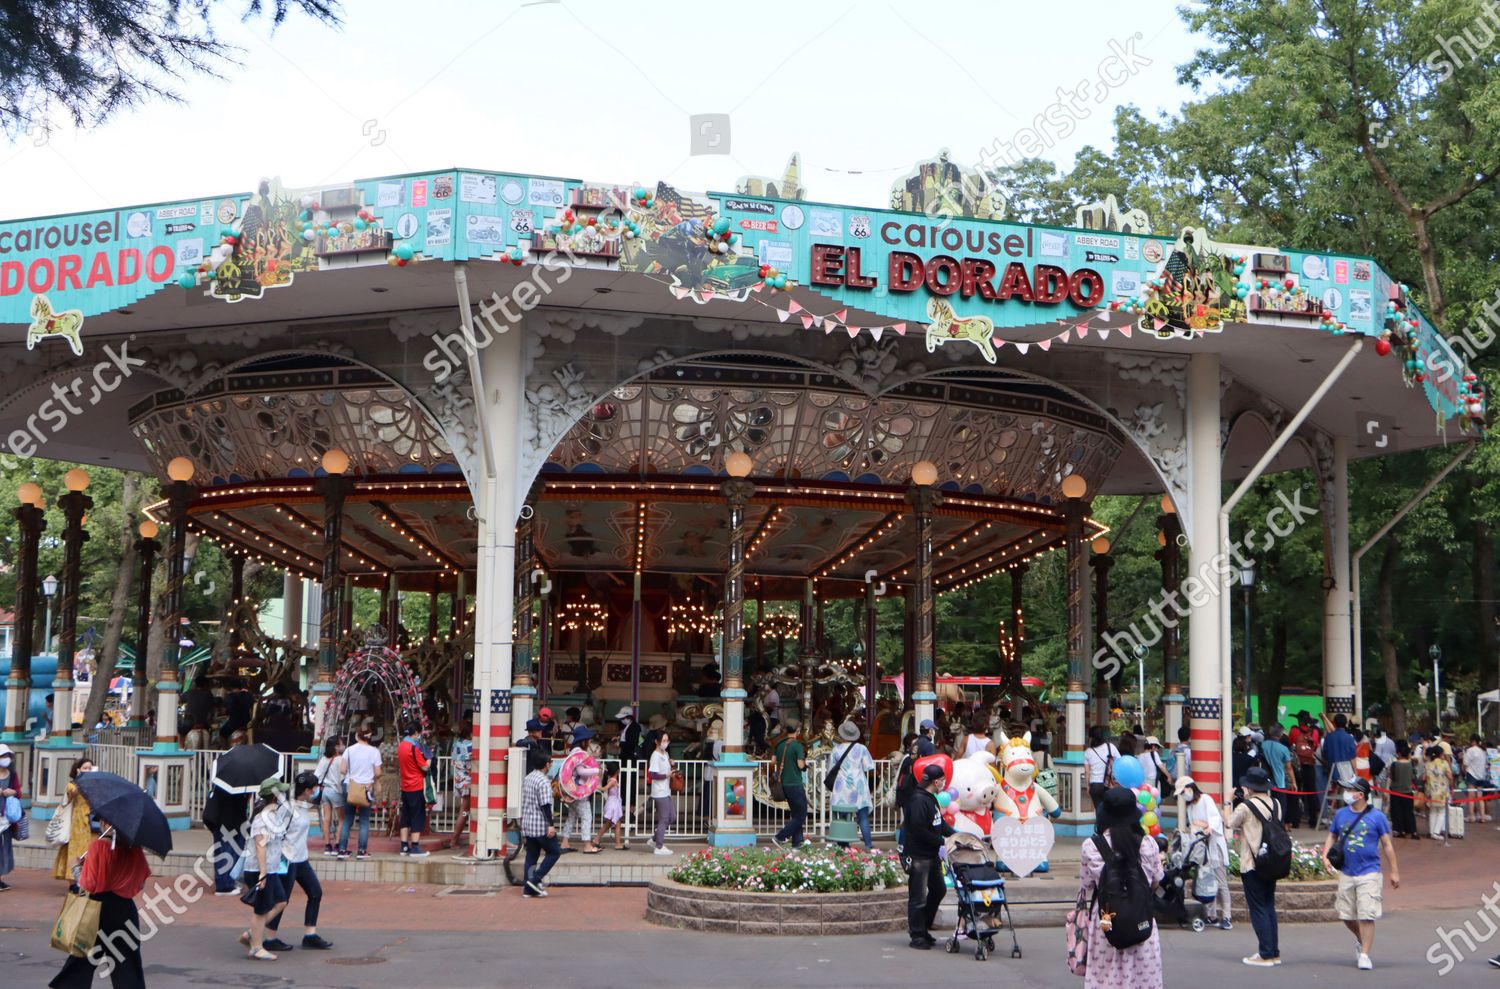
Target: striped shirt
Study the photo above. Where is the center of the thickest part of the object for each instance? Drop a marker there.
(536, 804)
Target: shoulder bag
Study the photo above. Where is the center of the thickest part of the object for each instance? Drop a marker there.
(778, 793)
(77, 925)
(358, 795)
(60, 828)
(833, 771)
(1078, 936)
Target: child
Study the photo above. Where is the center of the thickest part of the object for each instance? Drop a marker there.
(613, 809)
(1439, 788)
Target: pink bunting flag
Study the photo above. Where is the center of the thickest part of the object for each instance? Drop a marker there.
(1063, 336)
(1125, 331)
(997, 342)
(793, 305)
(1083, 330)
(757, 286)
(1158, 323)
(1044, 344)
(806, 321)
(900, 328)
(782, 315)
(705, 294)
(842, 315)
(680, 293)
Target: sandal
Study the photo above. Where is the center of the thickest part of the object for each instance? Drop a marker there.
(245, 939)
(592, 850)
(262, 955)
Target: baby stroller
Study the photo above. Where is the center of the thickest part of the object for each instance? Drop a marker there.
(975, 870)
(1188, 882)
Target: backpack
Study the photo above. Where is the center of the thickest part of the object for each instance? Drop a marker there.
(1125, 897)
(1273, 859)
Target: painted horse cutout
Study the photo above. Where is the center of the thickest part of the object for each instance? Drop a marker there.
(46, 323)
(947, 327)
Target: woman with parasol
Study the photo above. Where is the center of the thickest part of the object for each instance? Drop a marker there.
(113, 873)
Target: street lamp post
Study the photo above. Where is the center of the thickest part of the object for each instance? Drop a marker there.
(1247, 581)
(49, 590)
(1435, 651)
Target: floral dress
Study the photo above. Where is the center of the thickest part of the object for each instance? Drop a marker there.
(1136, 967)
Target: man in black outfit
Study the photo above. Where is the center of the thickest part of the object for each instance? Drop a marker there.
(923, 838)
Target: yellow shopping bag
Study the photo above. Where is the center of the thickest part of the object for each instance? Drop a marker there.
(77, 925)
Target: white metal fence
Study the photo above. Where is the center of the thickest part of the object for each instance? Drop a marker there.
(694, 804)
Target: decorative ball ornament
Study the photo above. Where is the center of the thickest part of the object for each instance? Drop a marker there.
(924, 473)
(29, 493)
(148, 529)
(1167, 507)
(738, 464)
(1100, 546)
(76, 479)
(180, 469)
(1074, 486)
(1383, 347)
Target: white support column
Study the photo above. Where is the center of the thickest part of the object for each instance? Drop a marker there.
(496, 377)
(1204, 485)
(1338, 650)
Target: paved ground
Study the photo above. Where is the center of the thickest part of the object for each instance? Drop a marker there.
(424, 936)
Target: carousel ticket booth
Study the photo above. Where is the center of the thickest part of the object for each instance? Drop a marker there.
(590, 421)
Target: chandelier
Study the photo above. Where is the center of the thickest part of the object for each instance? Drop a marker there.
(690, 618)
(780, 625)
(581, 613)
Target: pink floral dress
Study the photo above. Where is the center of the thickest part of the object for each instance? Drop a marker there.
(1136, 967)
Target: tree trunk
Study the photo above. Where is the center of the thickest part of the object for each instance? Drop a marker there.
(1484, 594)
(1273, 676)
(119, 604)
(156, 647)
(1386, 606)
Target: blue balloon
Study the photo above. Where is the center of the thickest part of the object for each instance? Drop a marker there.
(1129, 772)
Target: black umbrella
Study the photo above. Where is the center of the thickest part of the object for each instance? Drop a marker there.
(127, 808)
(244, 767)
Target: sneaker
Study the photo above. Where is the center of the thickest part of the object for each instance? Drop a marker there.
(5, 887)
(921, 944)
(316, 941)
(535, 888)
(418, 852)
(1257, 961)
(778, 842)
(218, 892)
(404, 849)
(329, 851)
(1495, 962)
(276, 944)
(663, 850)
(362, 855)
(1225, 925)
(342, 853)
(1364, 962)
(929, 939)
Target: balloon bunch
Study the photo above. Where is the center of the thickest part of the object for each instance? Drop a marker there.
(1130, 774)
(773, 278)
(1131, 307)
(1332, 322)
(1471, 400)
(720, 240)
(1274, 290)
(640, 198)
(512, 255)
(631, 230)
(401, 255)
(734, 797)
(572, 224)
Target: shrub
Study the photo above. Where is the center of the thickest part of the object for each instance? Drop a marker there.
(1307, 861)
(823, 870)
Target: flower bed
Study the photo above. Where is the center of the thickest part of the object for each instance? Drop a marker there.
(821, 870)
(1307, 862)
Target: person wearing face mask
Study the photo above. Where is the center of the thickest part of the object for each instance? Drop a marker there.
(266, 866)
(300, 870)
(1360, 833)
(10, 786)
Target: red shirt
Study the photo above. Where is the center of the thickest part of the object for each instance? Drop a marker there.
(120, 870)
(412, 763)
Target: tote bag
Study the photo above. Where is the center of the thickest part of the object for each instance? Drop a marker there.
(1078, 936)
(77, 925)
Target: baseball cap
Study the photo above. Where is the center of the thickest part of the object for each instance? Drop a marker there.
(927, 725)
(932, 773)
(545, 712)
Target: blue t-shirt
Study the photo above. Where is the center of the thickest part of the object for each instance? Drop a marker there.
(1362, 847)
(1338, 746)
(1276, 756)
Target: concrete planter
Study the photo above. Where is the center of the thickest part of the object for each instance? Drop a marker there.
(699, 908)
(1296, 902)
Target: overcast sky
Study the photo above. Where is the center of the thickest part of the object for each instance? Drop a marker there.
(602, 90)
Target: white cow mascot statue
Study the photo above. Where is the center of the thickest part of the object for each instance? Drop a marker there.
(1019, 796)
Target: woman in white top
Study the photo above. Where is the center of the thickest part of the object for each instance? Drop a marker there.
(265, 865)
(330, 775)
(977, 740)
(360, 765)
(300, 870)
(1204, 817)
(1097, 759)
(660, 771)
